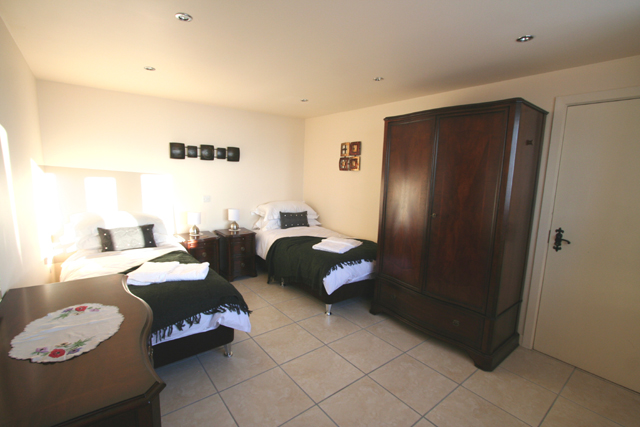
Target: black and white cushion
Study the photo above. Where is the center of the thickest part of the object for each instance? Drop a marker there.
(293, 219)
(121, 239)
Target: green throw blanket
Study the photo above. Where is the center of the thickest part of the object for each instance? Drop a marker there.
(293, 259)
(177, 304)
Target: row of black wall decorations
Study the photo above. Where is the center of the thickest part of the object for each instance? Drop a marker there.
(178, 150)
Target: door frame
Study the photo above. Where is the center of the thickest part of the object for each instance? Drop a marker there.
(540, 248)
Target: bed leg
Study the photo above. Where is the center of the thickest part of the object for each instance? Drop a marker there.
(227, 350)
(282, 282)
(327, 309)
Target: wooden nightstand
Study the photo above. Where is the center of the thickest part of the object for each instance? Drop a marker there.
(238, 253)
(204, 248)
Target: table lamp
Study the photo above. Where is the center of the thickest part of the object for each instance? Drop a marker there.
(194, 218)
(234, 215)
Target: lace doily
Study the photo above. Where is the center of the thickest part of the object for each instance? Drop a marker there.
(66, 333)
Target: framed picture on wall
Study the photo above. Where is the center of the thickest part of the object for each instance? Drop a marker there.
(354, 148)
(344, 149)
(344, 163)
(176, 150)
(354, 163)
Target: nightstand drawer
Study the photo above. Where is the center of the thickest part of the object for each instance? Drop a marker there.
(204, 252)
(242, 246)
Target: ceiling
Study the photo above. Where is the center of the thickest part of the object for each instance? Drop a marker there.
(268, 55)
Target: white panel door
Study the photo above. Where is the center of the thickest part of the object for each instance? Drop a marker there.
(589, 314)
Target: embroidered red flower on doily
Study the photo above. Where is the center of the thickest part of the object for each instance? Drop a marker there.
(81, 308)
(58, 352)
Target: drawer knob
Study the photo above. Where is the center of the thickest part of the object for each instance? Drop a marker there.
(242, 249)
(204, 254)
(456, 322)
(242, 264)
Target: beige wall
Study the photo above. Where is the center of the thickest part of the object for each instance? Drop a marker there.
(349, 201)
(21, 262)
(97, 129)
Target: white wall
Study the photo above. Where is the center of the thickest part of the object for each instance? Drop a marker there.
(21, 263)
(97, 129)
(349, 201)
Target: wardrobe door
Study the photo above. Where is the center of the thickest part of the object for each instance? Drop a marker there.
(407, 179)
(467, 178)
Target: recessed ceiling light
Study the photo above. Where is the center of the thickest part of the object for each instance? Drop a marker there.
(148, 68)
(184, 17)
(524, 38)
(378, 79)
(304, 100)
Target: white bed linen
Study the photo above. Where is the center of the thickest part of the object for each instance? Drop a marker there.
(87, 263)
(335, 279)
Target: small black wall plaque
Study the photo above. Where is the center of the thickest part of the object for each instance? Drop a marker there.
(176, 150)
(206, 152)
(233, 154)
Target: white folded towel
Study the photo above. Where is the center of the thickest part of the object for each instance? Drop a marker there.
(158, 272)
(189, 272)
(351, 242)
(336, 245)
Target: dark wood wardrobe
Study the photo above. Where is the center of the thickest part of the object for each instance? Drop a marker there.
(458, 190)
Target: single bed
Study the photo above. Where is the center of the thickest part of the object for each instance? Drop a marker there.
(285, 244)
(190, 316)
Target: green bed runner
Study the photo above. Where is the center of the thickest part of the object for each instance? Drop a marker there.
(177, 304)
(294, 260)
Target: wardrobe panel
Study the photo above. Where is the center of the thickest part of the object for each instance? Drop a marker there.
(467, 178)
(408, 179)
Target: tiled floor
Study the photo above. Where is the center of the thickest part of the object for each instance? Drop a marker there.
(299, 367)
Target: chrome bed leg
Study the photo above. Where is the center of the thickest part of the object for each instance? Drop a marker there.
(227, 350)
(282, 282)
(327, 309)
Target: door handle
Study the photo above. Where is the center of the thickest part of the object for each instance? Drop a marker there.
(558, 242)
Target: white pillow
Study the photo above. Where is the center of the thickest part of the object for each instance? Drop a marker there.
(270, 211)
(85, 226)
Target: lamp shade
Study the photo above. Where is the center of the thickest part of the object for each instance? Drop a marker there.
(193, 218)
(234, 214)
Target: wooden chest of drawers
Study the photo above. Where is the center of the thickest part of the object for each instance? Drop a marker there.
(237, 253)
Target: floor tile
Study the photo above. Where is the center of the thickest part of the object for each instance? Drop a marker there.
(446, 359)
(288, 342)
(414, 383)
(301, 308)
(239, 336)
(424, 423)
(248, 360)
(463, 408)
(253, 300)
(267, 319)
(201, 414)
(314, 417)
(365, 403)
(519, 397)
(603, 397)
(565, 413)
(398, 334)
(270, 399)
(187, 382)
(357, 311)
(321, 373)
(539, 368)
(328, 328)
(273, 293)
(366, 351)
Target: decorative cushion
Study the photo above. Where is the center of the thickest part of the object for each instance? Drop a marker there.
(121, 239)
(293, 219)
